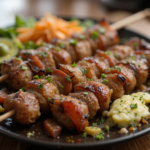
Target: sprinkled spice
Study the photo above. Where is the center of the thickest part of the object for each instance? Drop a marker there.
(24, 68)
(44, 54)
(73, 42)
(73, 65)
(49, 70)
(68, 78)
(105, 81)
(103, 75)
(135, 114)
(84, 71)
(41, 85)
(94, 35)
(133, 106)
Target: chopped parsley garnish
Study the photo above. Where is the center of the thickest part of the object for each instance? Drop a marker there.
(135, 114)
(103, 75)
(49, 70)
(102, 30)
(41, 85)
(55, 91)
(85, 93)
(73, 42)
(99, 137)
(68, 78)
(58, 49)
(36, 77)
(133, 106)
(107, 52)
(116, 55)
(94, 35)
(133, 57)
(49, 78)
(82, 37)
(67, 120)
(74, 64)
(84, 134)
(49, 99)
(135, 44)
(139, 65)
(44, 54)
(24, 68)
(94, 124)
(86, 86)
(29, 134)
(84, 71)
(62, 45)
(61, 86)
(18, 59)
(42, 76)
(143, 56)
(118, 68)
(105, 81)
(120, 111)
(133, 62)
(54, 122)
(83, 82)
(90, 79)
(23, 89)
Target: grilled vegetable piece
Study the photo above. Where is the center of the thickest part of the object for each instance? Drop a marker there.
(26, 107)
(138, 44)
(62, 81)
(36, 65)
(70, 112)
(52, 127)
(90, 99)
(19, 73)
(43, 91)
(76, 74)
(3, 96)
(101, 91)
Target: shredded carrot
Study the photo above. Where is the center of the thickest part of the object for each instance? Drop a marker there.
(47, 28)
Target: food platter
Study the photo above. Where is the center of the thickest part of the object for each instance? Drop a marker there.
(19, 132)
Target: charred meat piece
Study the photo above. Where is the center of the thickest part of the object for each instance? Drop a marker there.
(26, 107)
(43, 91)
(19, 72)
(76, 74)
(101, 91)
(90, 99)
(52, 127)
(61, 80)
(70, 112)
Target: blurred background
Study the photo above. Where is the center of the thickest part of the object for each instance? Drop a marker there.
(112, 10)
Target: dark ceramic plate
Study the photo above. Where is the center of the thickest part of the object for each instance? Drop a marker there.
(19, 132)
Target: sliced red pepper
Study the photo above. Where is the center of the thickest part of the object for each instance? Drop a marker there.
(3, 96)
(36, 65)
(74, 112)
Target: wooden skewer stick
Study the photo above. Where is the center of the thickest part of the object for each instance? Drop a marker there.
(7, 115)
(133, 18)
(118, 25)
(4, 77)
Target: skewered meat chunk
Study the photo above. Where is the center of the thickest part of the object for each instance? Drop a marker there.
(70, 112)
(120, 52)
(61, 80)
(90, 99)
(101, 91)
(75, 73)
(26, 107)
(138, 44)
(116, 83)
(43, 91)
(19, 73)
(52, 127)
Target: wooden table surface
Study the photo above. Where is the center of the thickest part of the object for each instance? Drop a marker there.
(78, 8)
